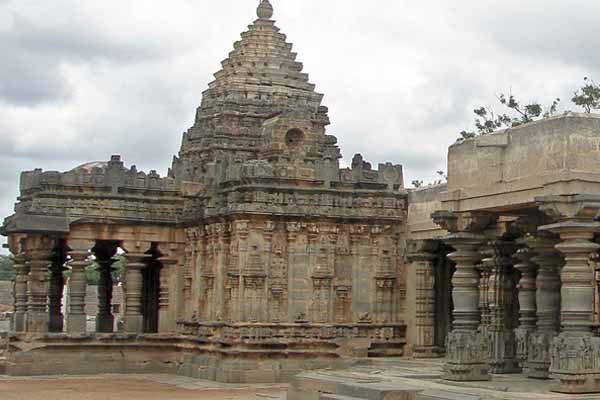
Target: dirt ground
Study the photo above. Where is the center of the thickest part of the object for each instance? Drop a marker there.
(136, 387)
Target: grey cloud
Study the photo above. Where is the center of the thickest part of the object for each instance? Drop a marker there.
(400, 78)
(550, 30)
(34, 49)
(28, 79)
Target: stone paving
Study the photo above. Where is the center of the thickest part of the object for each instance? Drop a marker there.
(131, 387)
(373, 379)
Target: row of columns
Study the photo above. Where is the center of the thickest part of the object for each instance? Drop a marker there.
(40, 263)
(554, 336)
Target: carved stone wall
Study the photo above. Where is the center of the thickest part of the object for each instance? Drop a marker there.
(274, 271)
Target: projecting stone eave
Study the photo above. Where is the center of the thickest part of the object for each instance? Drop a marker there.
(33, 223)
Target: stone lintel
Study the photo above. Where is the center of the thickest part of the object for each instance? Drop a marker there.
(463, 222)
(422, 250)
(582, 207)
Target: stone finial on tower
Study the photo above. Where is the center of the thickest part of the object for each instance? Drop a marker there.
(265, 10)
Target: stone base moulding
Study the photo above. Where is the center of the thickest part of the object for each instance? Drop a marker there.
(576, 364)
(467, 358)
(538, 360)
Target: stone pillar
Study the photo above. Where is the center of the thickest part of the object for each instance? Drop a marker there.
(467, 347)
(104, 252)
(172, 256)
(80, 260)
(467, 358)
(575, 352)
(547, 300)
(421, 257)
(500, 293)
(135, 261)
(485, 270)
(39, 252)
(105, 320)
(56, 288)
(527, 303)
(22, 272)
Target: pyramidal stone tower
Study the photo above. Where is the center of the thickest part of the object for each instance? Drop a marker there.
(260, 106)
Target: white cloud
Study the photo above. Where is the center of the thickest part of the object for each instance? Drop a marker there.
(82, 79)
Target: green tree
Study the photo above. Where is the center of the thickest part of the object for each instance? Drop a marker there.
(7, 268)
(588, 96)
(488, 121)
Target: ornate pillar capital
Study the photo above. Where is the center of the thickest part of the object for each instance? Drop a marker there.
(570, 207)
(422, 250)
(472, 221)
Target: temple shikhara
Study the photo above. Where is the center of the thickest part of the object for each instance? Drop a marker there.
(257, 257)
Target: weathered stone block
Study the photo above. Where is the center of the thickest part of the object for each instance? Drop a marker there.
(467, 358)
(575, 362)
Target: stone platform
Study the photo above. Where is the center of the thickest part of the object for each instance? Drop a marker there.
(409, 379)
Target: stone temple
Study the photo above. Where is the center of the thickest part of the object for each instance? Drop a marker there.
(258, 257)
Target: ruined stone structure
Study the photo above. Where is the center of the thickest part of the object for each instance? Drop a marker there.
(258, 256)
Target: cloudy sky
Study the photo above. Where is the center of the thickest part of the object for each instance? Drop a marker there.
(83, 79)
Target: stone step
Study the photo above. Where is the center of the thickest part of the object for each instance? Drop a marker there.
(328, 396)
(3, 366)
(379, 391)
(311, 386)
(445, 395)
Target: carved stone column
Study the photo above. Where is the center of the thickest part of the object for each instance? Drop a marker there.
(135, 261)
(500, 294)
(421, 257)
(467, 358)
(575, 353)
(467, 347)
(80, 260)
(485, 268)
(547, 304)
(172, 254)
(527, 303)
(39, 252)
(22, 272)
(56, 288)
(105, 320)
